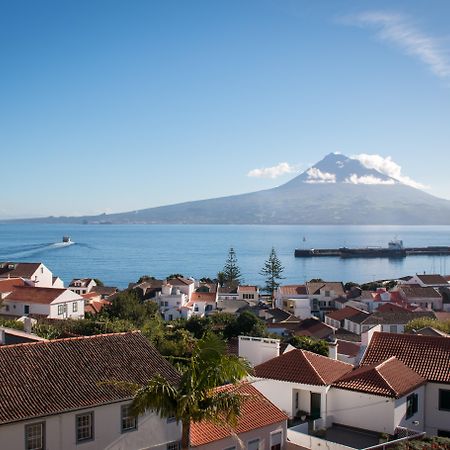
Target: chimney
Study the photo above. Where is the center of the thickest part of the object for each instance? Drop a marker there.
(332, 349)
(27, 325)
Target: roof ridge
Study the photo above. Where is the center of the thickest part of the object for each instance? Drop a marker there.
(74, 338)
(393, 390)
(311, 365)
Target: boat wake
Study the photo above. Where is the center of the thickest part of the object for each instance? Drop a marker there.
(25, 251)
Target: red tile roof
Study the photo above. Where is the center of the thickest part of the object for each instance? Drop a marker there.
(429, 356)
(390, 378)
(347, 348)
(432, 279)
(18, 270)
(256, 412)
(9, 284)
(343, 313)
(293, 289)
(209, 297)
(39, 295)
(314, 288)
(301, 366)
(247, 288)
(46, 378)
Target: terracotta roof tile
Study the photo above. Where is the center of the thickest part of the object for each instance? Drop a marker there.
(293, 289)
(209, 297)
(390, 378)
(39, 295)
(9, 284)
(432, 279)
(411, 291)
(301, 366)
(45, 378)
(18, 270)
(396, 317)
(314, 288)
(256, 412)
(347, 348)
(429, 356)
(247, 288)
(343, 313)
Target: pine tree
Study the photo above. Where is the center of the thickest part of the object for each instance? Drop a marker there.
(231, 271)
(272, 271)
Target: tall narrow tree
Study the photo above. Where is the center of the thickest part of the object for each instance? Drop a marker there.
(231, 271)
(272, 271)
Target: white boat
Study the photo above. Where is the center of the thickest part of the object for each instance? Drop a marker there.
(66, 240)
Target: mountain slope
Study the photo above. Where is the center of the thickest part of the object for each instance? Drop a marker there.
(337, 190)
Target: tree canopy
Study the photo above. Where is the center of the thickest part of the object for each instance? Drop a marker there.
(231, 272)
(272, 271)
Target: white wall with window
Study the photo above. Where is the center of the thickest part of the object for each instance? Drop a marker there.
(437, 408)
(107, 427)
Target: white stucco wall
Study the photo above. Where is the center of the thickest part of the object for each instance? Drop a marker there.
(42, 277)
(282, 394)
(400, 419)
(360, 410)
(434, 418)
(257, 350)
(152, 432)
(263, 434)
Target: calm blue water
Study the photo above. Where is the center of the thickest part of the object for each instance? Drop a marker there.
(119, 254)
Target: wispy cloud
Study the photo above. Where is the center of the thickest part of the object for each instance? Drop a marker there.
(273, 172)
(387, 167)
(366, 179)
(399, 30)
(315, 175)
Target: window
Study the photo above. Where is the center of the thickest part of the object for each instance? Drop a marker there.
(26, 309)
(74, 307)
(84, 427)
(327, 293)
(275, 440)
(35, 436)
(412, 402)
(60, 310)
(128, 422)
(253, 444)
(393, 329)
(443, 433)
(173, 446)
(296, 400)
(444, 400)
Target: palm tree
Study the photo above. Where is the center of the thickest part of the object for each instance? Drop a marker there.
(195, 398)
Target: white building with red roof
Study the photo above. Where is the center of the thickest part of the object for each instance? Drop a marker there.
(37, 273)
(294, 298)
(22, 300)
(260, 426)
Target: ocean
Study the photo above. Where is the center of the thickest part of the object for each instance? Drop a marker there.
(120, 254)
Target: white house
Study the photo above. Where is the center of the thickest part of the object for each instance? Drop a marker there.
(170, 301)
(294, 298)
(52, 303)
(82, 285)
(39, 274)
(247, 292)
(53, 397)
(380, 397)
(427, 280)
(429, 356)
(298, 381)
(201, 304)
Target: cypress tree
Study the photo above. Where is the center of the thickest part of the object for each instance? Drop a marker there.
(231, 271)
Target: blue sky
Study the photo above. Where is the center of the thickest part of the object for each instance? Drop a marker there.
(109, 106)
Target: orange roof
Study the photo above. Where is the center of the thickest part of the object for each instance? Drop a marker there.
(344, 313)
(90, 295)
(256, 412)
(10, 284)
(301, 366)
(29, 294)
(293, 289)
(390, 378)
(429, 356)
(203, 297)
(247, 288)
